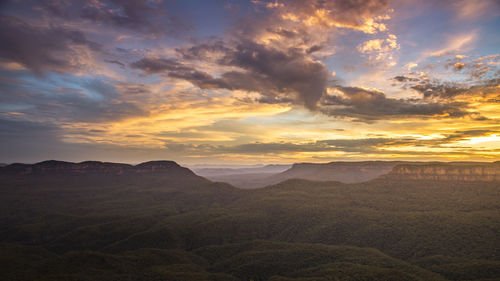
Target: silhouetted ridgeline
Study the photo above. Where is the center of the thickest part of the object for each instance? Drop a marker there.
(347, 172)
(61, 167)
(447, 172)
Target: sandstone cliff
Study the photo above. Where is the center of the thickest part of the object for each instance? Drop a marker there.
(447, 171)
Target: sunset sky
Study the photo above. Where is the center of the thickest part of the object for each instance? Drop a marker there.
(246, 82)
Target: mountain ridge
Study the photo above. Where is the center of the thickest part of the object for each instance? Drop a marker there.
(56, 166)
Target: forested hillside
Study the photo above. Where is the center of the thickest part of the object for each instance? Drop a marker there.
(159, 221)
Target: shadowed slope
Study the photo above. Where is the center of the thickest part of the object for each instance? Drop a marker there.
(86, 225)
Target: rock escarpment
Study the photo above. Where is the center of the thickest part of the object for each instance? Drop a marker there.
(447, 172)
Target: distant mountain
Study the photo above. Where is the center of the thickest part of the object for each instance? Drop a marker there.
(217, 172)
(458, 171)
(347, 172)
(354, 172)
(3, 164)
(94, 167)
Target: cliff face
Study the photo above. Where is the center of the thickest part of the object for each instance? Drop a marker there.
(94, 167)
(447, 172)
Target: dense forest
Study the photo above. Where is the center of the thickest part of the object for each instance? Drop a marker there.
(160, 221)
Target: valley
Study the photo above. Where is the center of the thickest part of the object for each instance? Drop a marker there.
(160, 221)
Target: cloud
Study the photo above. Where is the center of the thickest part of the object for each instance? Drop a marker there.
(476, 67)
(475, 10)
(458, 66)
(455, 44)
(273, 73)
(207, 51)
(287, 72)
(474, 80)
(374, 146)
(379, 45)
(89, 100)
(119, 63)
(466, 134)
(41, 48)
(291, 76)
(368, 145)
(151, 17)
(178, 70)
(443, 90)
(370, 105)
(276, 55)
(34, 141)
(438, 90)
(363, 15)
(372, 45)
(380, 50)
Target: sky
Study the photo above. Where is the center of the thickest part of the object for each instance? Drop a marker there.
(249, 82)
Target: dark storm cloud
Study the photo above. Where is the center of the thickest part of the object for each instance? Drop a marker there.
(285, 71)
(274, 73)
(178, 70)
(40, 48)
(370, 105)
